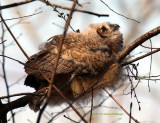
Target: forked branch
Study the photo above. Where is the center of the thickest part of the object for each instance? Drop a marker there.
(137, 42)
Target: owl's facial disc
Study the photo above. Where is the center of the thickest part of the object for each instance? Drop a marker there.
(103, 31)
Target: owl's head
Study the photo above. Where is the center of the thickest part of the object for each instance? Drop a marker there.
(104, 30)
(106, 33)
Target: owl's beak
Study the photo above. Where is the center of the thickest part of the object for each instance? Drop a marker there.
(115, 26)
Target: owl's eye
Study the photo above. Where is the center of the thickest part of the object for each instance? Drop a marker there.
(103, 29)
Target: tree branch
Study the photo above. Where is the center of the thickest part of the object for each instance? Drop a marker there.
(51, 4)
(16, 4)
(141, 57)
(137, 42)
(120, 106)
(21, 94)
(23, 101)
(78, 10)
(25, 54)
(5, 108)
(118, 13)
(51, 85)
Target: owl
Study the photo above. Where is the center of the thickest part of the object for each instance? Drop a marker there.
(85, 55)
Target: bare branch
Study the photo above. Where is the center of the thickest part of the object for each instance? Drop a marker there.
(55, 67)
(150, 68)
(118, 13)
(91, 107)
(52, 4)
(13, 105)
(16, 4)
(13, 59)
(23, 16)
(39, 70)
(3, 41)
(138, 42)
(70, 119)
(141, 57)
(4, 67)
(23, 50)
(78, 10)
(147, 47)
(20, 94)
(120, 105)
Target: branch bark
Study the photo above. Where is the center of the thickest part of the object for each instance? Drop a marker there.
(141, 57)
(137, 42)
(5, 108)
(16, 4)
(51, 4)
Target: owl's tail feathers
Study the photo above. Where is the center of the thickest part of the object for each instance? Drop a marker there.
(38, 99)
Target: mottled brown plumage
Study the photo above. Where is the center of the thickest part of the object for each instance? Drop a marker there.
(85, 55)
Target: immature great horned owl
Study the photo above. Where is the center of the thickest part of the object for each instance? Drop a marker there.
(86, 55)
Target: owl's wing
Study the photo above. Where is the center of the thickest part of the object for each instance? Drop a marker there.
(76, 55)
(45, 60)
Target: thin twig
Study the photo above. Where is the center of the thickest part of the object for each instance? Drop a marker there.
(78, 10)
(18, 80)
(62, 16)
(94, 108)
(41, 112)
(23, 16)
(60, 47)
(88, 90)
(61, 94)
(4, 68)
(120, 105)
(54, 70)
(51, 4)
(3, 41)
(118, 13)
(140, 57)
(130, 113)
(35, 66)
(91, 107)
(148, 47)
(13, 59)
(40, 71)
(20, 94)
(50, 121)
(150, 67)
(138, 42)
(70, 119)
